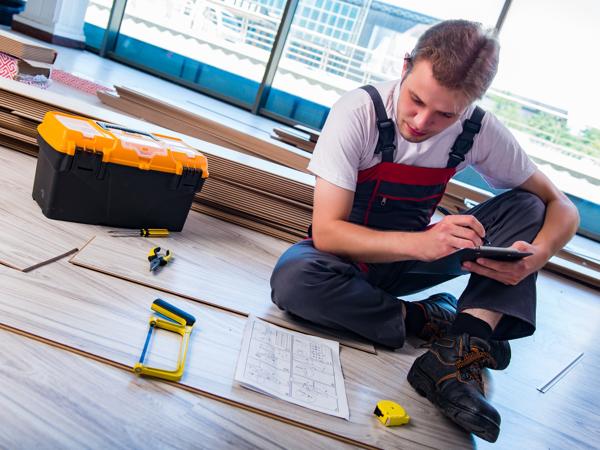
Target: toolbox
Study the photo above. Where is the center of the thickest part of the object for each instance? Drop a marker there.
(100, 173)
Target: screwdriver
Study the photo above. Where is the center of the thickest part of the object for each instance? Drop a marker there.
(144, 232)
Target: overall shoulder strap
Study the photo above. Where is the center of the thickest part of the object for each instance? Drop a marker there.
(385, 126)
(464, 141)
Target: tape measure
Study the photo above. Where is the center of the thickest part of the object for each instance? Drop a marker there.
(390, 413)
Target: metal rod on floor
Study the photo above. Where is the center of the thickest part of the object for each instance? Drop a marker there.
(545, 388)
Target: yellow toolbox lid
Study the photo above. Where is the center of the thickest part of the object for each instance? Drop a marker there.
(119, 145)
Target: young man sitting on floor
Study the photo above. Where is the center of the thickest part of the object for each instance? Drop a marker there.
(382, 163)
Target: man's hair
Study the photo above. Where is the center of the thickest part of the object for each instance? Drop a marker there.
(462, 54)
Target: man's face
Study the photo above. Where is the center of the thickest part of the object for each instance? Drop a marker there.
(424, 107)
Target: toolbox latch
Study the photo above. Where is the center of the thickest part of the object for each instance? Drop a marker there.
(87, 161)
(188, 180)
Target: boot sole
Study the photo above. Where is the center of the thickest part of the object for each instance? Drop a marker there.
(425, 387)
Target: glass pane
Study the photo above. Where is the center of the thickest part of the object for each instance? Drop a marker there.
(96, 20)
(545, 91)
(338, 45)
(221, 45)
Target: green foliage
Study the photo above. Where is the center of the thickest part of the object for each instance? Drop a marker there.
(546, 126)
(592, 137)
(505, 108)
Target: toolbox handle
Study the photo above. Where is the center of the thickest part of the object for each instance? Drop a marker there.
(112, 126)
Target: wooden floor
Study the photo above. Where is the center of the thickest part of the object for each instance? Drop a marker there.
(72, 327)
(52, 398)
(71, 334)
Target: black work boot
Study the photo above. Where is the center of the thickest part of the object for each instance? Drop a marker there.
(440, 312)
(449, 375)
(500, 351)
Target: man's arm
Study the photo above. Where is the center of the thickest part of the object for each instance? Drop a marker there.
(333, 233)
(560, 224)
(562, 218)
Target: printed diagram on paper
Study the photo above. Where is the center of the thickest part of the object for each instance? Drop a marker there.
(292, 366)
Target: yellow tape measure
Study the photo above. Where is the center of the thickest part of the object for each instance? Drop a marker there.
(390, 413)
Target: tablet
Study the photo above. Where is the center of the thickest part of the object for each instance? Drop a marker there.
(497, 253)
(452, 263)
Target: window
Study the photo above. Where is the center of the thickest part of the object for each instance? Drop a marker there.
(545, 92)
(96, 20)
(306, 95)
(221, 47)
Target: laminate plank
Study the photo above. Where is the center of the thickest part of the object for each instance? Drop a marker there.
(29, 239)
(57, 399)
(107, 317)
(18, 124)
(18, 145)
(294, 137)
(251, 222)
(18, 136)
(214, 263)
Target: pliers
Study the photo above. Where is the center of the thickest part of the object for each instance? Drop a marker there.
(157, 259)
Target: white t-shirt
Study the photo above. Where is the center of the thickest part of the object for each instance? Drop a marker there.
(349, 137)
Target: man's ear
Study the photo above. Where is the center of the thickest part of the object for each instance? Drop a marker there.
(405, 65)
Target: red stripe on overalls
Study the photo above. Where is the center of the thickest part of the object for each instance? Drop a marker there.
(404, 174)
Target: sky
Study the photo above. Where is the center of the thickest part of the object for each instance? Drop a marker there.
(549, 49)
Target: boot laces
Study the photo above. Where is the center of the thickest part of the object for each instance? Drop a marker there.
(471, 364)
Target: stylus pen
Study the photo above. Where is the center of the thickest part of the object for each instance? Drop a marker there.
(447, 212)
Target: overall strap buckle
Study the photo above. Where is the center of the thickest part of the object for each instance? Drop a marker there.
(385, 126)
(464, 142)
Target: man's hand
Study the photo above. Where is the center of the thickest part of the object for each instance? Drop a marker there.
(450, 234)
(510, 273)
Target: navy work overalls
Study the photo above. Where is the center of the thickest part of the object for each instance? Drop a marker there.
(362, 298)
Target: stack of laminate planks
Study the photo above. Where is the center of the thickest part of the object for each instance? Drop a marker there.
(21, 57)
(219, 130)
(242, 189)
(19, 118)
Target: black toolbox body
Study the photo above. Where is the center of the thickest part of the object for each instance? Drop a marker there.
(83, 188)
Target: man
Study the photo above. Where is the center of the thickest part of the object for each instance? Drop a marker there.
(382, 163)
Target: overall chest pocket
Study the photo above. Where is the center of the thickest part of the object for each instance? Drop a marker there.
(404, 207)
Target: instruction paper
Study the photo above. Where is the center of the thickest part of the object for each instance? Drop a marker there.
(301, 369)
